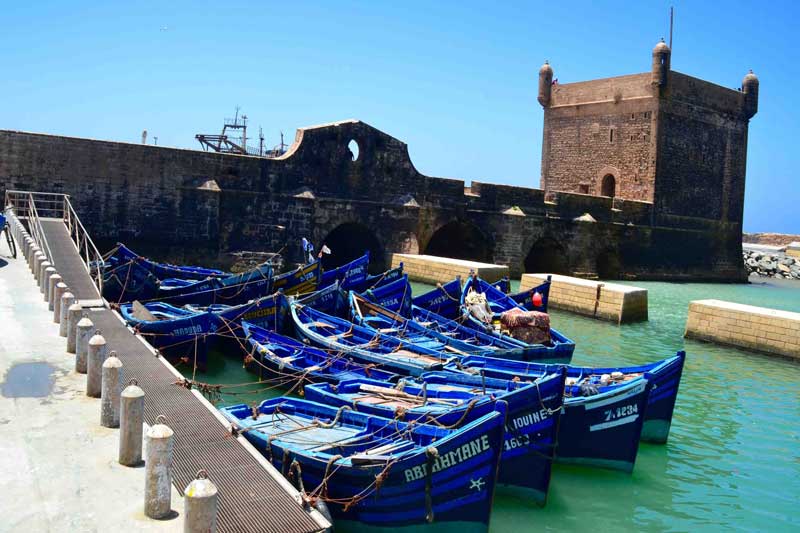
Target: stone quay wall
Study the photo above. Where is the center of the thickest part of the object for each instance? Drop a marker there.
(431, 269)
(746, 326)
(606, 301)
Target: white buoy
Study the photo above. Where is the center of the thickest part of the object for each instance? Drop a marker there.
(200, 505)
(84, 331)
(95, 357)
(111, 390)
(131, 418)
(157, 475)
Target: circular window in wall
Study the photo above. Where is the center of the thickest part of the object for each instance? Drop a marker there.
(353, 147)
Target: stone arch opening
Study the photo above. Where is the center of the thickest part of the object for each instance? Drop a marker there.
(608, 264)
(354, 149)
(608, 186)
(460, 239)
(547, 256)
(349, 241)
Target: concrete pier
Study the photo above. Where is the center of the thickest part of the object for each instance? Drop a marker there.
(60, 469)
(746, 326)
(606, 301)
(432, 269)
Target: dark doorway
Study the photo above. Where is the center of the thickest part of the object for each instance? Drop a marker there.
(460, 240)
(547, 256)
(609, 186)
(349, 241)
(608, 265)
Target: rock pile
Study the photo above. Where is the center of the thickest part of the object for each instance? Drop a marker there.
(770, 265)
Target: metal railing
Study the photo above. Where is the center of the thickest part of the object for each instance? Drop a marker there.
(33, 206)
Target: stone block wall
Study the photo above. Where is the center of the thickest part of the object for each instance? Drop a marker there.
(756, 328)
(432, 269)
(606, 301)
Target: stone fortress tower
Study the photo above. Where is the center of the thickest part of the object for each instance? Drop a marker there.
(661, 137)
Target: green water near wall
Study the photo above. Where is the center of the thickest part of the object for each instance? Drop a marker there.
(733, 456)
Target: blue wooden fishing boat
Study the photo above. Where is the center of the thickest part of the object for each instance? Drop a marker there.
(600, 425)
(360, 343)
(350, 274)
(396, 297)
(444, 398)
(384, 322)
(665, 375)
(185, 334)
(377, 474)
(179, 334)
(276, 356)
(527, 298)
(128, 276)
(377, 280)
(121, 254)
(447, 300)
(444, 300)
(240, 288)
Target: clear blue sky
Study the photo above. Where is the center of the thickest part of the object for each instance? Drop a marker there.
(455, 80)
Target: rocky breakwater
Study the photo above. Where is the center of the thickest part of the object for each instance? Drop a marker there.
(771, 265)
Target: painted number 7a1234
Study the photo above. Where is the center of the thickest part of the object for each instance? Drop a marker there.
(619, 412)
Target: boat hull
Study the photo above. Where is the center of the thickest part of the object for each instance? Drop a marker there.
(447, 487)
(604, 430)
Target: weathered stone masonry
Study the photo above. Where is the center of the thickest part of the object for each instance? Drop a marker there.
(187, 205)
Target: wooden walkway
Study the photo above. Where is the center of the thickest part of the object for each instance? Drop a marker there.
(252, 495)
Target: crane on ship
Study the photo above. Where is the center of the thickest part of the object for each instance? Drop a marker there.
(233, 139)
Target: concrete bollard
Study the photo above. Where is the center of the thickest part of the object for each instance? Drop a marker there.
(36, 258)
(131, 418)
(40, 274)
(83, 333)
(200, 505)
(53, 279)
(74, 313)
(67, 299)
(157, 466)
(28, 247)
(46, 276)
(110, 394)
(95, 357)
(60, 289)
(37, 269)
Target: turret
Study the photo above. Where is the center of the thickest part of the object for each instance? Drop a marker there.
(750, 90)
(545, 84)
(661, 58)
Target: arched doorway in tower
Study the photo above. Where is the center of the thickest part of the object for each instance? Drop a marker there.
(547, 256)
(460, 239)
(608, 186)
(349, 241)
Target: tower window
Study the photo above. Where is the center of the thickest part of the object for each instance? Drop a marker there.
(611, 135)
(583, 189)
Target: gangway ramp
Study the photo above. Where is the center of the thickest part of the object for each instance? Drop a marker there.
(253, 495)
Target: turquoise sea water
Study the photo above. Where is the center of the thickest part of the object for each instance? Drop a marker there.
(733, 456)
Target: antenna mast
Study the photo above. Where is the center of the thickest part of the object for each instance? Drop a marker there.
(671, 13)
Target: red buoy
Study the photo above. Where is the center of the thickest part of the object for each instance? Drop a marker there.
(536, 299)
